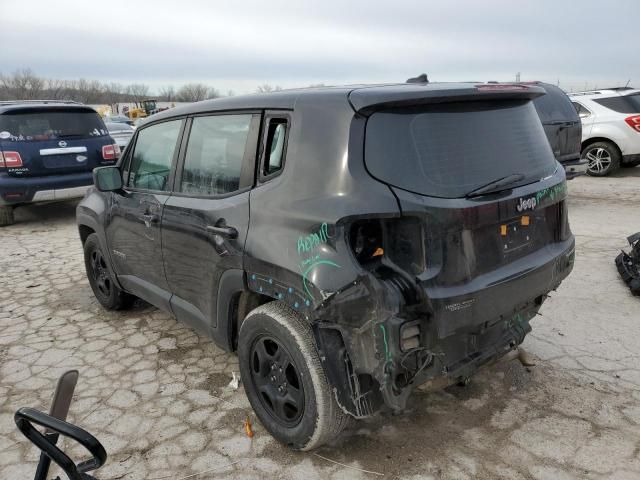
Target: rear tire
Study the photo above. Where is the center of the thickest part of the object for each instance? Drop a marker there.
(6, 216)
(603, 158)
(284, 379)
(101, 278)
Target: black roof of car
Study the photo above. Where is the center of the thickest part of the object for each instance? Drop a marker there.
(360, 97)
(11, 105)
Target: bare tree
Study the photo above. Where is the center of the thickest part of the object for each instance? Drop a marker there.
(112, 93)
(266, 88)
(88, 91)
(195, 92)
(23, 84)
(55, 88)
(138, 91)
(4, 88)
(168, 93)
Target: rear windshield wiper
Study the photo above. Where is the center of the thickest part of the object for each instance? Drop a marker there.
(496, 185)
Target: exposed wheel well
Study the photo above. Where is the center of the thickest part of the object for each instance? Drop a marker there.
(241, 304)
(593, 140)
(85, 232)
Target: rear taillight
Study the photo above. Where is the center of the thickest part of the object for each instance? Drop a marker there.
(634, 122)
(110, 152)
(10, 160)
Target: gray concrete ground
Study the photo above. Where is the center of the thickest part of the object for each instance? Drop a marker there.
(155, 393)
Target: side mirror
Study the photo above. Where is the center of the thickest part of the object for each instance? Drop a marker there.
(107, 179)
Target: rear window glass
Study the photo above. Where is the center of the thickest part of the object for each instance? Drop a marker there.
(37, 125)
(624, 104)
(555, 106)
(449, 150)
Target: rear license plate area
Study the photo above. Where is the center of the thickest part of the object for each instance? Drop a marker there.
(72, 160)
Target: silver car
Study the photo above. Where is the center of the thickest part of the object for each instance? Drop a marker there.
(121, 133)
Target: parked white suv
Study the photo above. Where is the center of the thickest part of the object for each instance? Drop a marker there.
(610, 128)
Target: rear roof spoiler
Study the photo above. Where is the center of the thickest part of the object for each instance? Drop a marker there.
(29, 102)
(368, 99)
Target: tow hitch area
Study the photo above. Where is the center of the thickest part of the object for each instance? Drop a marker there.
(629, 264)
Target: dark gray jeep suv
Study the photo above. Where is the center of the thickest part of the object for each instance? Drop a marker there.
(349, 243)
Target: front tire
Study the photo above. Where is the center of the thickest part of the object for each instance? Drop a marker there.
(603, 158)
(284, 379)
(6, 216)
(101, 277)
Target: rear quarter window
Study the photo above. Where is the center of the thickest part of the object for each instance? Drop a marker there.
(449, 150)
(622, 104)
(555, 106)
(50, 124)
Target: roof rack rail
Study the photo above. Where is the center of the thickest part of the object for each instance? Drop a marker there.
(13, 102)
(618, 88)
(600, 90)
(590, 92)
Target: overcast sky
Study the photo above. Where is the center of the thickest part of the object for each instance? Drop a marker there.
(243, 43)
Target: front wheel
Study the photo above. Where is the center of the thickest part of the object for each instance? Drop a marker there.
(284, 378)
(101, 277)
(603, 158)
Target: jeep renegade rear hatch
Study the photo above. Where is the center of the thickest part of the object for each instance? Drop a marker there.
(479, 177)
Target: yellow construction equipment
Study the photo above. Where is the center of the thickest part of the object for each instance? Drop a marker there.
(142, 109)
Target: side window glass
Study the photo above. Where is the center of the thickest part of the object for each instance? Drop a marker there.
(151, 160)
(275, 146)
(582, 112)
(215, 153)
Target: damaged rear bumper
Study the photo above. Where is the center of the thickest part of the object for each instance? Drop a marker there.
(444, 339)
(628, 264)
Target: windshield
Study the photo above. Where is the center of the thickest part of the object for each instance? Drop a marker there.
(622, 104)
(48, 124)
(448, 150)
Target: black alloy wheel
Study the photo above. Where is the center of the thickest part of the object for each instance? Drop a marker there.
(276, 377)
(100, 273)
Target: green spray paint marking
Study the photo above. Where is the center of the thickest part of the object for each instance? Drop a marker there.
(311, 267)
(314, 240)
(552, 192)
(386, 345)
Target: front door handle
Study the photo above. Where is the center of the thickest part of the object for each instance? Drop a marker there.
(227, 232)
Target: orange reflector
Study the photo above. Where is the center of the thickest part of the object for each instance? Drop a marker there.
(378, 253)
(524, 220)
(503, 230)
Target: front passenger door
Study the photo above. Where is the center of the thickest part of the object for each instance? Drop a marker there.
(133, 231)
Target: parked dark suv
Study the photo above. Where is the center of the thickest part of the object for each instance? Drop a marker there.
(563, 128)
(47, 152)
(350, 243)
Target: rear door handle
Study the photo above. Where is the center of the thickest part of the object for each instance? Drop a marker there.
(228, 232)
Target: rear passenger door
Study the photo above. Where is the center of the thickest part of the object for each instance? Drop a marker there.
(133, 229)
(205, 221)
